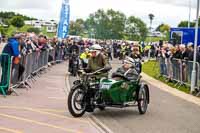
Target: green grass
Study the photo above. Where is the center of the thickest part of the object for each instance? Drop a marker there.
(151, 68)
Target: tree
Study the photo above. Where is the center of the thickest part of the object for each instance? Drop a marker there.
(77, 27)
(136, 29)
(17, 21)
(106, 25)
(109, 24)
(151, 17)
(185, 24)
(35, 30)
(163, 28)
(9, 15)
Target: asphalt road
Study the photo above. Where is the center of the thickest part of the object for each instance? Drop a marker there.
(166, 114)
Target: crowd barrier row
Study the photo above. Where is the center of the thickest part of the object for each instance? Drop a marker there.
(179, 71)
(31, 65)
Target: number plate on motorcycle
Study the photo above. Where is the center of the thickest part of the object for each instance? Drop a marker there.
(105, 86)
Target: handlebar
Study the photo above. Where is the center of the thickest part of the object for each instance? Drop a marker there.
(89, 74)
(93, 73)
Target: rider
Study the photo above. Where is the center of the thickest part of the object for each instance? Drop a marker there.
(137, 57)
(73, 49)
(98, 61)
(127, 71)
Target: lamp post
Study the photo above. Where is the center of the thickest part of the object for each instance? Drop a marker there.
(189, 13)
(193, 80)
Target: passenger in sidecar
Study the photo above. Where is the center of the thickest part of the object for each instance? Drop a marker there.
(127, 71)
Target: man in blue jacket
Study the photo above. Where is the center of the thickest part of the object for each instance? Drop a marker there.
(11, 49)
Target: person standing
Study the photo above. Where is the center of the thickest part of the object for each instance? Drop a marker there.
(11, 49)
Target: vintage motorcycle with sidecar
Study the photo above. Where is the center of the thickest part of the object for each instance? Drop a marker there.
(120, 91)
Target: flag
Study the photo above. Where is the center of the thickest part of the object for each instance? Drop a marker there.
(63, 26)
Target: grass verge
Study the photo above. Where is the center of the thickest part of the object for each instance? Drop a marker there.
(151, 68)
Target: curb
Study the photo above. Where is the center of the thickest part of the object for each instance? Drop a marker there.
(170, 90)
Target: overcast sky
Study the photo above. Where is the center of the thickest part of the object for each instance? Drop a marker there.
(165, 11)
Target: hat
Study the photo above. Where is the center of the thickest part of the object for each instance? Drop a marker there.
(18, 36)
(190, 44)
(96, 47)
(128, 60)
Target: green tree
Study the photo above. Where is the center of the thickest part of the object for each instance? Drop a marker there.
(163, 28)
(136, 29)
(77, 27)
(9, 15)
(185, 24)
(17, 21)
(2, 30)
(35, 30)
(106, 25)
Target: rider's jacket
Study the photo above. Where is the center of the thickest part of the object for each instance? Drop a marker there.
(131, 74)
(96, 63)
(74, 48)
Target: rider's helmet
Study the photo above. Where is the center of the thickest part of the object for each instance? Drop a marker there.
(128, 60)
(87, 50)
(76, 41)
(95, 50)
(123, 44)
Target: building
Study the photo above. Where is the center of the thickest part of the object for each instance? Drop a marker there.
(51, 26)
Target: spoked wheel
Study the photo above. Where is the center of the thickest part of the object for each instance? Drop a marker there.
(142, 101)
(76, 104)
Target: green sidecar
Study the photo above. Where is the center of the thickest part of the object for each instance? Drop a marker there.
(89, 93)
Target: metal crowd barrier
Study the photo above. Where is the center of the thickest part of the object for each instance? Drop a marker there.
(31, 65)
(5, 67)
(59, 53)
(179, 71)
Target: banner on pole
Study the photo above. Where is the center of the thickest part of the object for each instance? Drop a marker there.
(63, 26)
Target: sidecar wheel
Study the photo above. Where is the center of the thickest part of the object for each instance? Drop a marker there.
(76, 103)
(142, 101)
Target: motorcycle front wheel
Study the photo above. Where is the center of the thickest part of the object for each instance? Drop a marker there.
(76, 104)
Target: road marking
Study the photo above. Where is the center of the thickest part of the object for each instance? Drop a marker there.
(99, 125)
(10, 130)
(52, 110)
(170, 90)
(39, 123)
(46, 113)
(57, 98)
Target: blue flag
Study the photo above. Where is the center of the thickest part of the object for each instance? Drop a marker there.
(63, 26)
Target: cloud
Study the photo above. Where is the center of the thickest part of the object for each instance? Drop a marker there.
(184, 3)
(26, 4)
(165, 11)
